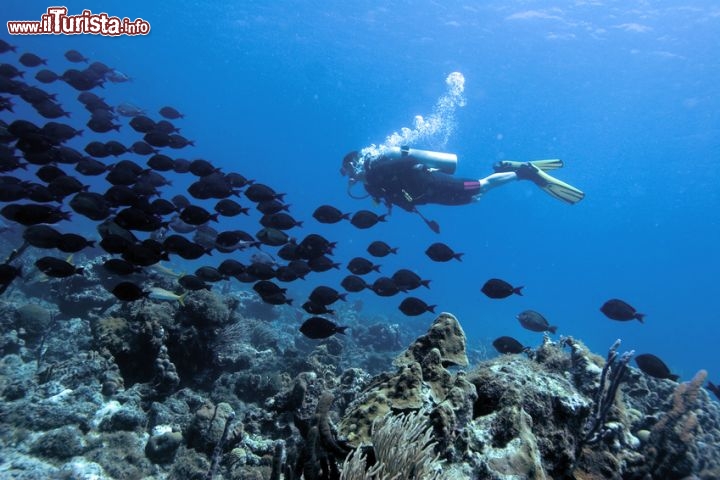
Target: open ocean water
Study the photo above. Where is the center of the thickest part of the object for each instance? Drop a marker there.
(626, 93)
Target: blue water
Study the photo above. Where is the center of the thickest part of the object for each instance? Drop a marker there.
(625, 92)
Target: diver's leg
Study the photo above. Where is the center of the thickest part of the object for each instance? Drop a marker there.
(495, 180)
(554, 187)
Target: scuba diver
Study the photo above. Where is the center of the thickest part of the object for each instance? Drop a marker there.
(408, 177)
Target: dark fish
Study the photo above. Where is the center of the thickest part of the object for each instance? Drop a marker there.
(653, 366)
(120, 195)
(285, 274)
(194, 215)
(231, 238)
(31, 60)
(91, 167)
(180, 201)
(319, 327)
(178, 141)
(143, 255)
(314, 245)
(60, 132)
(8, 164)
(89, 99)
(268, 207)
(508, 345)
(366, 219)
(229, 208)
(33, 214)
(316, 309)
(202, 168)
(66, 185)
(128, 292)
(385, 287)
(261, 271)
(532, 320)
(36, 95)
(10, 71)
(353, 283)
(101, 112)
(48, 173)
(237, 180)
(81, 81)
(46, 76)
(230, 267)
(191, 282)
(277, 299)
(362, 266)
(181, 165)
(50, 109)
(257, 192)
(54, 267)
(439, 252)
(288, 252)
(266, 288)
(157, 139)
(176, 243)
(281, 221)
(72, 242)
(115, 148)
(616, 309)
(142, 148)
(379, 248)
(42, 236)
(114, 244)
(497, 288)
(6, 104)
(97, 149)
(75, 56)
(6, 47)
(133, 218)
(102, 125)
(209, 274)
(8, 273)
(413, 306)
(13, 192)
(211, 186)
(170, 113)
(300, 267)
(322, 264)
(272, 237)
(163, 126)
(142, 124)
(408, 280)
(329, 214)
(162, 207)
(161, 163)
(118, 266)
(323, 295)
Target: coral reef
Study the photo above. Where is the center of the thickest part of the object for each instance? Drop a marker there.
(162, 390)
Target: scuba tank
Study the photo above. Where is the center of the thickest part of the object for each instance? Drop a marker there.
(444, 162)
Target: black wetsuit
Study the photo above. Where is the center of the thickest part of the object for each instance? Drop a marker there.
(406, 183)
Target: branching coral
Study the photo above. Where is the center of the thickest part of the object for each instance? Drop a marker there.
(403, 448)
